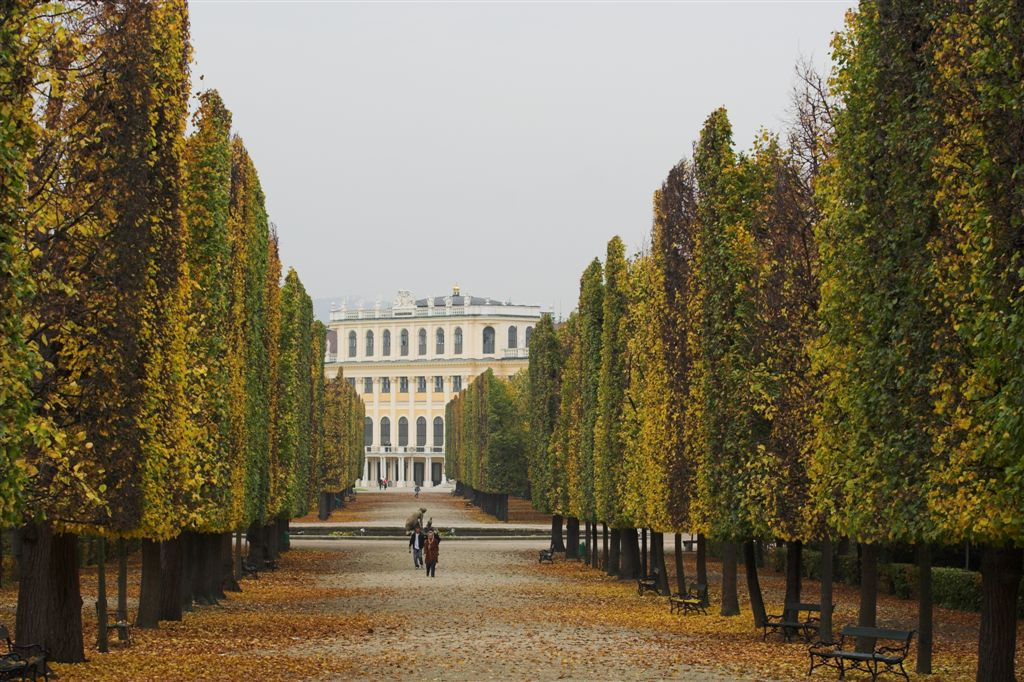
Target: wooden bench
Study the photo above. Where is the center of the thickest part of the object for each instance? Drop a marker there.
(547, 555)
(694, 601)
(796, 618)
(22, 660)
(880, 659)
(123, 627)
(648, 584)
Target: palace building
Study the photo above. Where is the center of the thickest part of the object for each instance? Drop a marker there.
(409, 360)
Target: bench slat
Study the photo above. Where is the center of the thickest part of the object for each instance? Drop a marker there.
(876, 633)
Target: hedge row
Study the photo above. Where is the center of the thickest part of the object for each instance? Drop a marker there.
(952, 588)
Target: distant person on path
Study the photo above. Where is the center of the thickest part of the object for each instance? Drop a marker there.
(430, 551)
(380, 484)
(416, 541)
(417, 491)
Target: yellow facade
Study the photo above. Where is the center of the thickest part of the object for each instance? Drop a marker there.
(408, 360)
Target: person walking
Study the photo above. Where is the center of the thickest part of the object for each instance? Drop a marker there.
(416, 540)
(430, 551)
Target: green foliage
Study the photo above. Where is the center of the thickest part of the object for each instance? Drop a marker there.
(343, 435)
(487, 435)
(207, 197)
(563, 450)
(20, 33)
(255, 281)
(976, 272)
(647, 439)
(544, 379)
(291, 470)
(723, 419)
(874, 447)
(609, 451)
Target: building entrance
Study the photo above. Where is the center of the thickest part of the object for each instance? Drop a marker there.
(417, 473)
(435, 473)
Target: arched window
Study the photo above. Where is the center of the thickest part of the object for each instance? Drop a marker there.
(421, 432)
(438, 432)
(352, 344)
(423, 342)
(513, 337)
(403, 432)
(403, 342)
(368, 432)
(488, 339)
(458, 341)
(385, 431)
(440, 341)
(385, 342)
(369, 344)
(529, 333)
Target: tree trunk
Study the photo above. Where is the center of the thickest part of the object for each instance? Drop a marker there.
(201, 583)
(613, 567)
(680, 572)
(122, 584)
(630, 555)
(586, 542)
(171, 565)
(825, 627)
(149, 595)
(189, 578)
(102, 642)
(730, 597)
(924, 609)
(556, 533)
(284, 537)
(572, 538)
(238, 558)
(324, 510)
(254, 536)
(643, 553)
(754, 585)
(271, 543)
(227, 564)
(593, 546)
(1000, 582)
(213, 567)
(659, 563)
(868, 592)
(794, 555)
(604, 546)
(702, 564)
(49, 600)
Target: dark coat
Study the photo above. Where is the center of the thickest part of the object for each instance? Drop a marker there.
(430, 548)
(412, 538)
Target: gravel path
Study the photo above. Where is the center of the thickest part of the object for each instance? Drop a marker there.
(481, 618)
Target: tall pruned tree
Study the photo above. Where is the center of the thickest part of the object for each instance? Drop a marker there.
(976, 490)
(609, 469)
(545, 376)
(874, 444)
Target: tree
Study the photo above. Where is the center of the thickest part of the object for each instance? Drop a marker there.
(874, 444)
(609, 472)
(545, 374)
(976, 483)
(20, 33)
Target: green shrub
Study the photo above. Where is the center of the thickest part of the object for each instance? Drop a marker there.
(900, 579)
(811, 564)
(956, 588)
(847, 569)
(777, 558)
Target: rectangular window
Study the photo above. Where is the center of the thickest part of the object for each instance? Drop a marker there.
(438, 384)
(403, 384)
(456, 384)
(351, 381)
(368, 385)
(385, 385)
(421, 384)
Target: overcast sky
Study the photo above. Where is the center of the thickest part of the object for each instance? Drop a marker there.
(497, 145)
